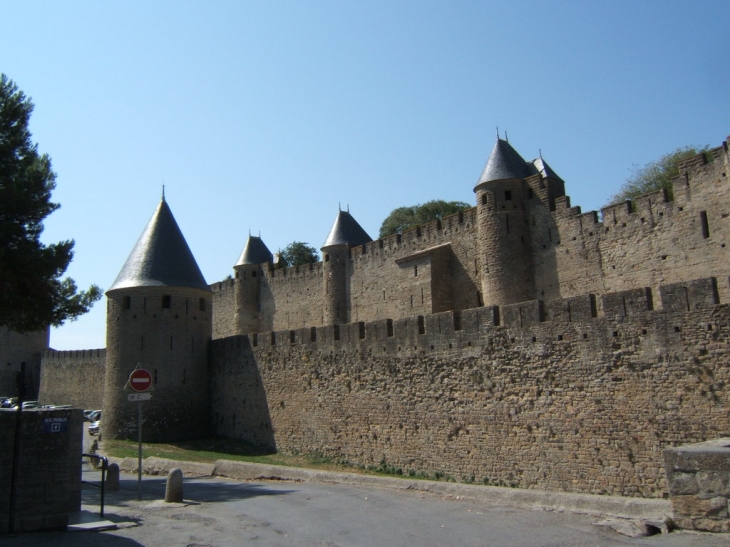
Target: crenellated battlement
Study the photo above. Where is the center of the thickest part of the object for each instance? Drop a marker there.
(472, 327)
(75, 355)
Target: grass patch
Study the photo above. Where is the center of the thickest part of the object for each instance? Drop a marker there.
(210, 450)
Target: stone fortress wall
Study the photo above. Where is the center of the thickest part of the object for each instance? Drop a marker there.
(17, 348)
(600, 344)
(579, 402)
(436, 267)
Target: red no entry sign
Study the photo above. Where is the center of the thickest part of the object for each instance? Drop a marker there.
(140, 380)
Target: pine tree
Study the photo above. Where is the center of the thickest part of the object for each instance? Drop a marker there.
(33, 294)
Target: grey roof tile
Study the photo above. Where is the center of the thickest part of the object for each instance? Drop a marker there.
(161, 257)
(346, 231)
(504, 163)
(255, 252)
(539, 165)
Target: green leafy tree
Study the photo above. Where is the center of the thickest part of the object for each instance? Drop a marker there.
(655, 175)
(403, 218)
(33, 294)
(296, 254)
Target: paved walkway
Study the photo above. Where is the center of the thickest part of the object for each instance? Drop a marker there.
(311, 511)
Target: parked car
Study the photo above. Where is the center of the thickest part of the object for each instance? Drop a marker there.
(94, 427)
(8, 402)
(92, 415)
(27, 405)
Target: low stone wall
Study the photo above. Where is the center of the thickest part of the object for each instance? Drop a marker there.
(48, 475)
(699, 485)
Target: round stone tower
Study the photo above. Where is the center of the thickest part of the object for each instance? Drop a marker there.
(159, 318)
(248, 285)
(504, 238)
(345, 234)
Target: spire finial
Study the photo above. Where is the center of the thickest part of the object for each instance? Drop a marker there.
(163, 192)
(506, 138)
(497, 132)
(540, 152)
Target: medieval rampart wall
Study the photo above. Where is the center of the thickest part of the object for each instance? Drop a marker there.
(391, 277)
(649, 243)
(535, 395)
(17, 348)
(292, 297)
(435, 267)
(224, 308)
(74, 377)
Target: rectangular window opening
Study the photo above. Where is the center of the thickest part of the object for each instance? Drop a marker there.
(166, 301)
(705, 225)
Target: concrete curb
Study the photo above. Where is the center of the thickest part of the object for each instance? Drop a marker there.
(616, 506)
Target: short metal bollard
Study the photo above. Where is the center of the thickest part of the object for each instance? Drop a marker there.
(174, 489)
(112, 477)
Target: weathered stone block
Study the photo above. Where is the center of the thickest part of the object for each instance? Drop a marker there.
(523, 314)
(682, 484)
(713, 483)
(694, 506)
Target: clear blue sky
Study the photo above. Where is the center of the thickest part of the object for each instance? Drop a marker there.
(266, 116)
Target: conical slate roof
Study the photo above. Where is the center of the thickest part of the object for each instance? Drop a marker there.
(161, 257)
(255, 252)
(346, 231)
(539, 165)
(504, 163)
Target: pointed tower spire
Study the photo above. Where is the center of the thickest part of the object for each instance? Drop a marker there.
(346, 231)
(161, 257)
(254, 252)
(504, 163)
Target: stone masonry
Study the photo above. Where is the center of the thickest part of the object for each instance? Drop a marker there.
(521, 342)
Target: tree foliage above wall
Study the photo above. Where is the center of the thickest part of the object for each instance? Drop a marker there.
(403, 218)
(655, 175)
(33, 294)
(297, 253)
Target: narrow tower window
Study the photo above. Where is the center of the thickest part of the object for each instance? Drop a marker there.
(166, 301)
(508, 195)
(705, 225)
(201, 304)
(127, 303)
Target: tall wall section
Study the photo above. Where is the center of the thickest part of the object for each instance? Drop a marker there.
(17, 348)
(647, 243)
(583, 402)
(427, 269)
(73, 377)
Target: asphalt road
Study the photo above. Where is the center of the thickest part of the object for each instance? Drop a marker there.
(220, 513)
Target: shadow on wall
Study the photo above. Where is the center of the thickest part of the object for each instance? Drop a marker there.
(239, 407)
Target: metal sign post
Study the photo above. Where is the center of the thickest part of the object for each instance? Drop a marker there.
(139, 450)
(140, 383)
